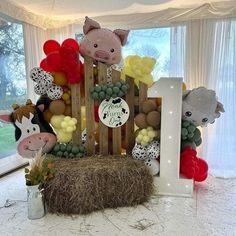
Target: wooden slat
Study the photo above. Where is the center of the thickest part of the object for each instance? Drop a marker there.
(142, 94)
(89, 103)
(103, 129)
(130, 136)
(76, 111)
(116, 132)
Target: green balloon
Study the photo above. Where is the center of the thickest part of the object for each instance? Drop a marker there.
(56, 147)
(109, 91)
(124, 88)
(81, 148)
(108, 97)
(62, 147)
(116, 90)
(79, 155)
(75, 149)
(71, 155)
(191, 128)
(118, 84)
(198, 143)
(104, 88)
(59, 154)
(102, 95)
(184, 131)
(65, 154)
(190, 135)
(69, 147)
(98, 88)
(185, 124)
(121, 94)
(95, 96)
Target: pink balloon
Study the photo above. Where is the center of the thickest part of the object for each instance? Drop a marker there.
(51, 46)
(54, 61)
(71, 43)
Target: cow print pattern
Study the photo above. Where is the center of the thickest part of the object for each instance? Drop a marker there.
(55, 92)
(153, 166)
(153, 150)
(39, 90)
(36, 74)
(45, 84)
(139, 152)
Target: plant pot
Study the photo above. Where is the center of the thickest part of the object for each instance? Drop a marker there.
(36, 205)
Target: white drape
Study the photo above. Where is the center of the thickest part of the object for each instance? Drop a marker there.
(34, 38)
(211, 62)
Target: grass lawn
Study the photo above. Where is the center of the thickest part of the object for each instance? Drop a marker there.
(7, 140)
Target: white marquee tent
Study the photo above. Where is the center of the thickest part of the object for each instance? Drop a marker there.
(113, 13)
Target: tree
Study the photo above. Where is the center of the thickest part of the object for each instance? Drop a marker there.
(12, 63)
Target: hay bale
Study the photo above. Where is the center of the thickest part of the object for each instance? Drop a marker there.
(84, 185)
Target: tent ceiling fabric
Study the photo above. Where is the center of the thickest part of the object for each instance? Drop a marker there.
(58, 13)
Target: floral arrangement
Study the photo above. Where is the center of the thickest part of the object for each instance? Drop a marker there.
(41, 170)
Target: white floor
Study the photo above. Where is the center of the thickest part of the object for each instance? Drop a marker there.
(212, 211)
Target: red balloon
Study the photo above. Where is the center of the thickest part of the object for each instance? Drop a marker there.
(71, 43)
(51, 46)
(192, 166)
(202, 170)
(54, 61)
(44, 65)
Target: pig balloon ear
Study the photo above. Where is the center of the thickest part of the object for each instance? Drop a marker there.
(5, 116)
(90, 24)
(122, 34)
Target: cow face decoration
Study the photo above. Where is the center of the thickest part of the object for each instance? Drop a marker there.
(102, 44)
(32, 132)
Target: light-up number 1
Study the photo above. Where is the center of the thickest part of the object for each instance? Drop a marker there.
(169, 182)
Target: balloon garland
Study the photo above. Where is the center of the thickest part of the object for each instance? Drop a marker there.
(107, 91)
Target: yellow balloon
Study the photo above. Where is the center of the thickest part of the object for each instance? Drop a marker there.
(139, 68)
(64, 137)
(56, 121)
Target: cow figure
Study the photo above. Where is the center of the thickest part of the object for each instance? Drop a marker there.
(32, 132)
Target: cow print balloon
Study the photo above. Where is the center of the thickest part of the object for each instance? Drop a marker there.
(153, 150)
(153, 166)
(139, 152)
(36, 74)
(39, 89)
(55, 92)
(46, 82)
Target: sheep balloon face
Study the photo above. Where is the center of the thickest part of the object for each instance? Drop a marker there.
(200, 106)
(102, 44)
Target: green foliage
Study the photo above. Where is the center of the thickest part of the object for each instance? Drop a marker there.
(41, 171)
(118, 89)
(69, 150)
(190, 135)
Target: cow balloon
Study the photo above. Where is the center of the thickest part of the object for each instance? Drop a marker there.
(32, 132)
(102, 44)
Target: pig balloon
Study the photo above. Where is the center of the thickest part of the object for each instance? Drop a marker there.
(102, 44)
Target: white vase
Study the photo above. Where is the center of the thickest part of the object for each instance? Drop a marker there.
(36, 206)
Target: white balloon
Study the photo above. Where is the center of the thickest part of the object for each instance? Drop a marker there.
(153, 166)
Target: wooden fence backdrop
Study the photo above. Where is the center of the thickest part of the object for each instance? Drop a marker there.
(78, 101)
